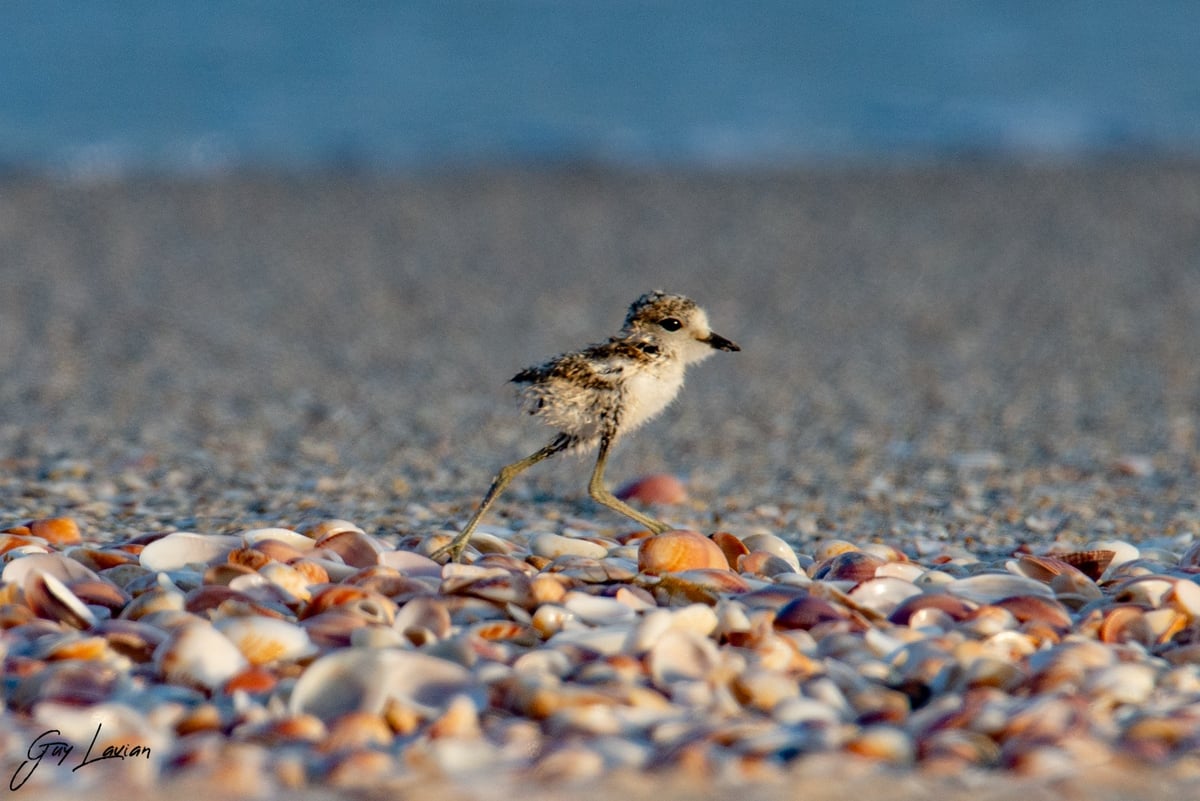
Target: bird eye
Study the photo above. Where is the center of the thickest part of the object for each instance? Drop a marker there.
(670, 323)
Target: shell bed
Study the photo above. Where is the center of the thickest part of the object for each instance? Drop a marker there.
(276, 660)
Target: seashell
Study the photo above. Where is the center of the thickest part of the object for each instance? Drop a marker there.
(197, 655)
(254, 680)
(49, 598)
(905, 571)
(225, 574)
(1124, 683)
(99, 559)
(773, 545)
(15, 542)
(495, 584)
(286, 536)
(362, 680)
(953, 607)
(372, 608)
(390, 582)
(57, 565)
(72, 646)
(831, 548)
(1026, 608)
(98, 592)
(326, 528)
(312, 572)
(68, 684)
(681, 655)
(596, 610)
(553, 546)
(808, 611)
(761, 563)
(184, 549)
(333, 629)
(459, 720)
(248, 557)
(679, 550)
(56, 530)
(731, 546)
(763, 689)
(264, 640)
(131, 639)
(1122, 552)
(851, 566)
(986, 588)
(353, 546)
(699, 586)
(883, 595)
(292, 581)
(354, 731)
(884, 743)
(410, 563)
(1184, 596)
(1145, 590)
(428, 613)
(662, 489)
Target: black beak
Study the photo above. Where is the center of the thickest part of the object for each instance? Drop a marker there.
(721, 343)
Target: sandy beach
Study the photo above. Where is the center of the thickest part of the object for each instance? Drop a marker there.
(975, 358)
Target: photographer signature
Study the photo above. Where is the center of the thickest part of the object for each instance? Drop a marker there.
(46, 746)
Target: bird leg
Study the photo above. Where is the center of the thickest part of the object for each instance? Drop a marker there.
(601, 495)
(507, 473)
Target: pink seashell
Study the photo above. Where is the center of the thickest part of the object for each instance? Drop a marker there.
(662, 489)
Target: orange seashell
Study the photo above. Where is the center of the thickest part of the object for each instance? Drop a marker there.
(101, 558)
(355, 730)
(248, 557)
(1122, 624)
(56, 530)
(333, 596)
(678, 550)
(78, 648)
(731, 546)
(311, 571)
(253, 680)
(9, 540)
(662, 489)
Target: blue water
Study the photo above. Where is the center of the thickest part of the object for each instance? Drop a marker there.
(198, 85)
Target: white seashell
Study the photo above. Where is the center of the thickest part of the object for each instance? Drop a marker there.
(1125, 683)
(184, 548)
(365, 680)
(411, 563)
(1122, 552)
(681, 655)
(986, 588)
(264, 640)
(553, 546)
(284, 535)
(1185, 597)
(1150, 591)
(286, 578)
(773, 545)
(61, 567)
(597, 610)
(906, 571)
(198, 655)
(884, 594)
(604, 640)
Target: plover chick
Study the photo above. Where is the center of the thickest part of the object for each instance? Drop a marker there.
(596, 395)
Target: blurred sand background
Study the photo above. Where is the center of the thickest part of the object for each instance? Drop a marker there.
(243, 349)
